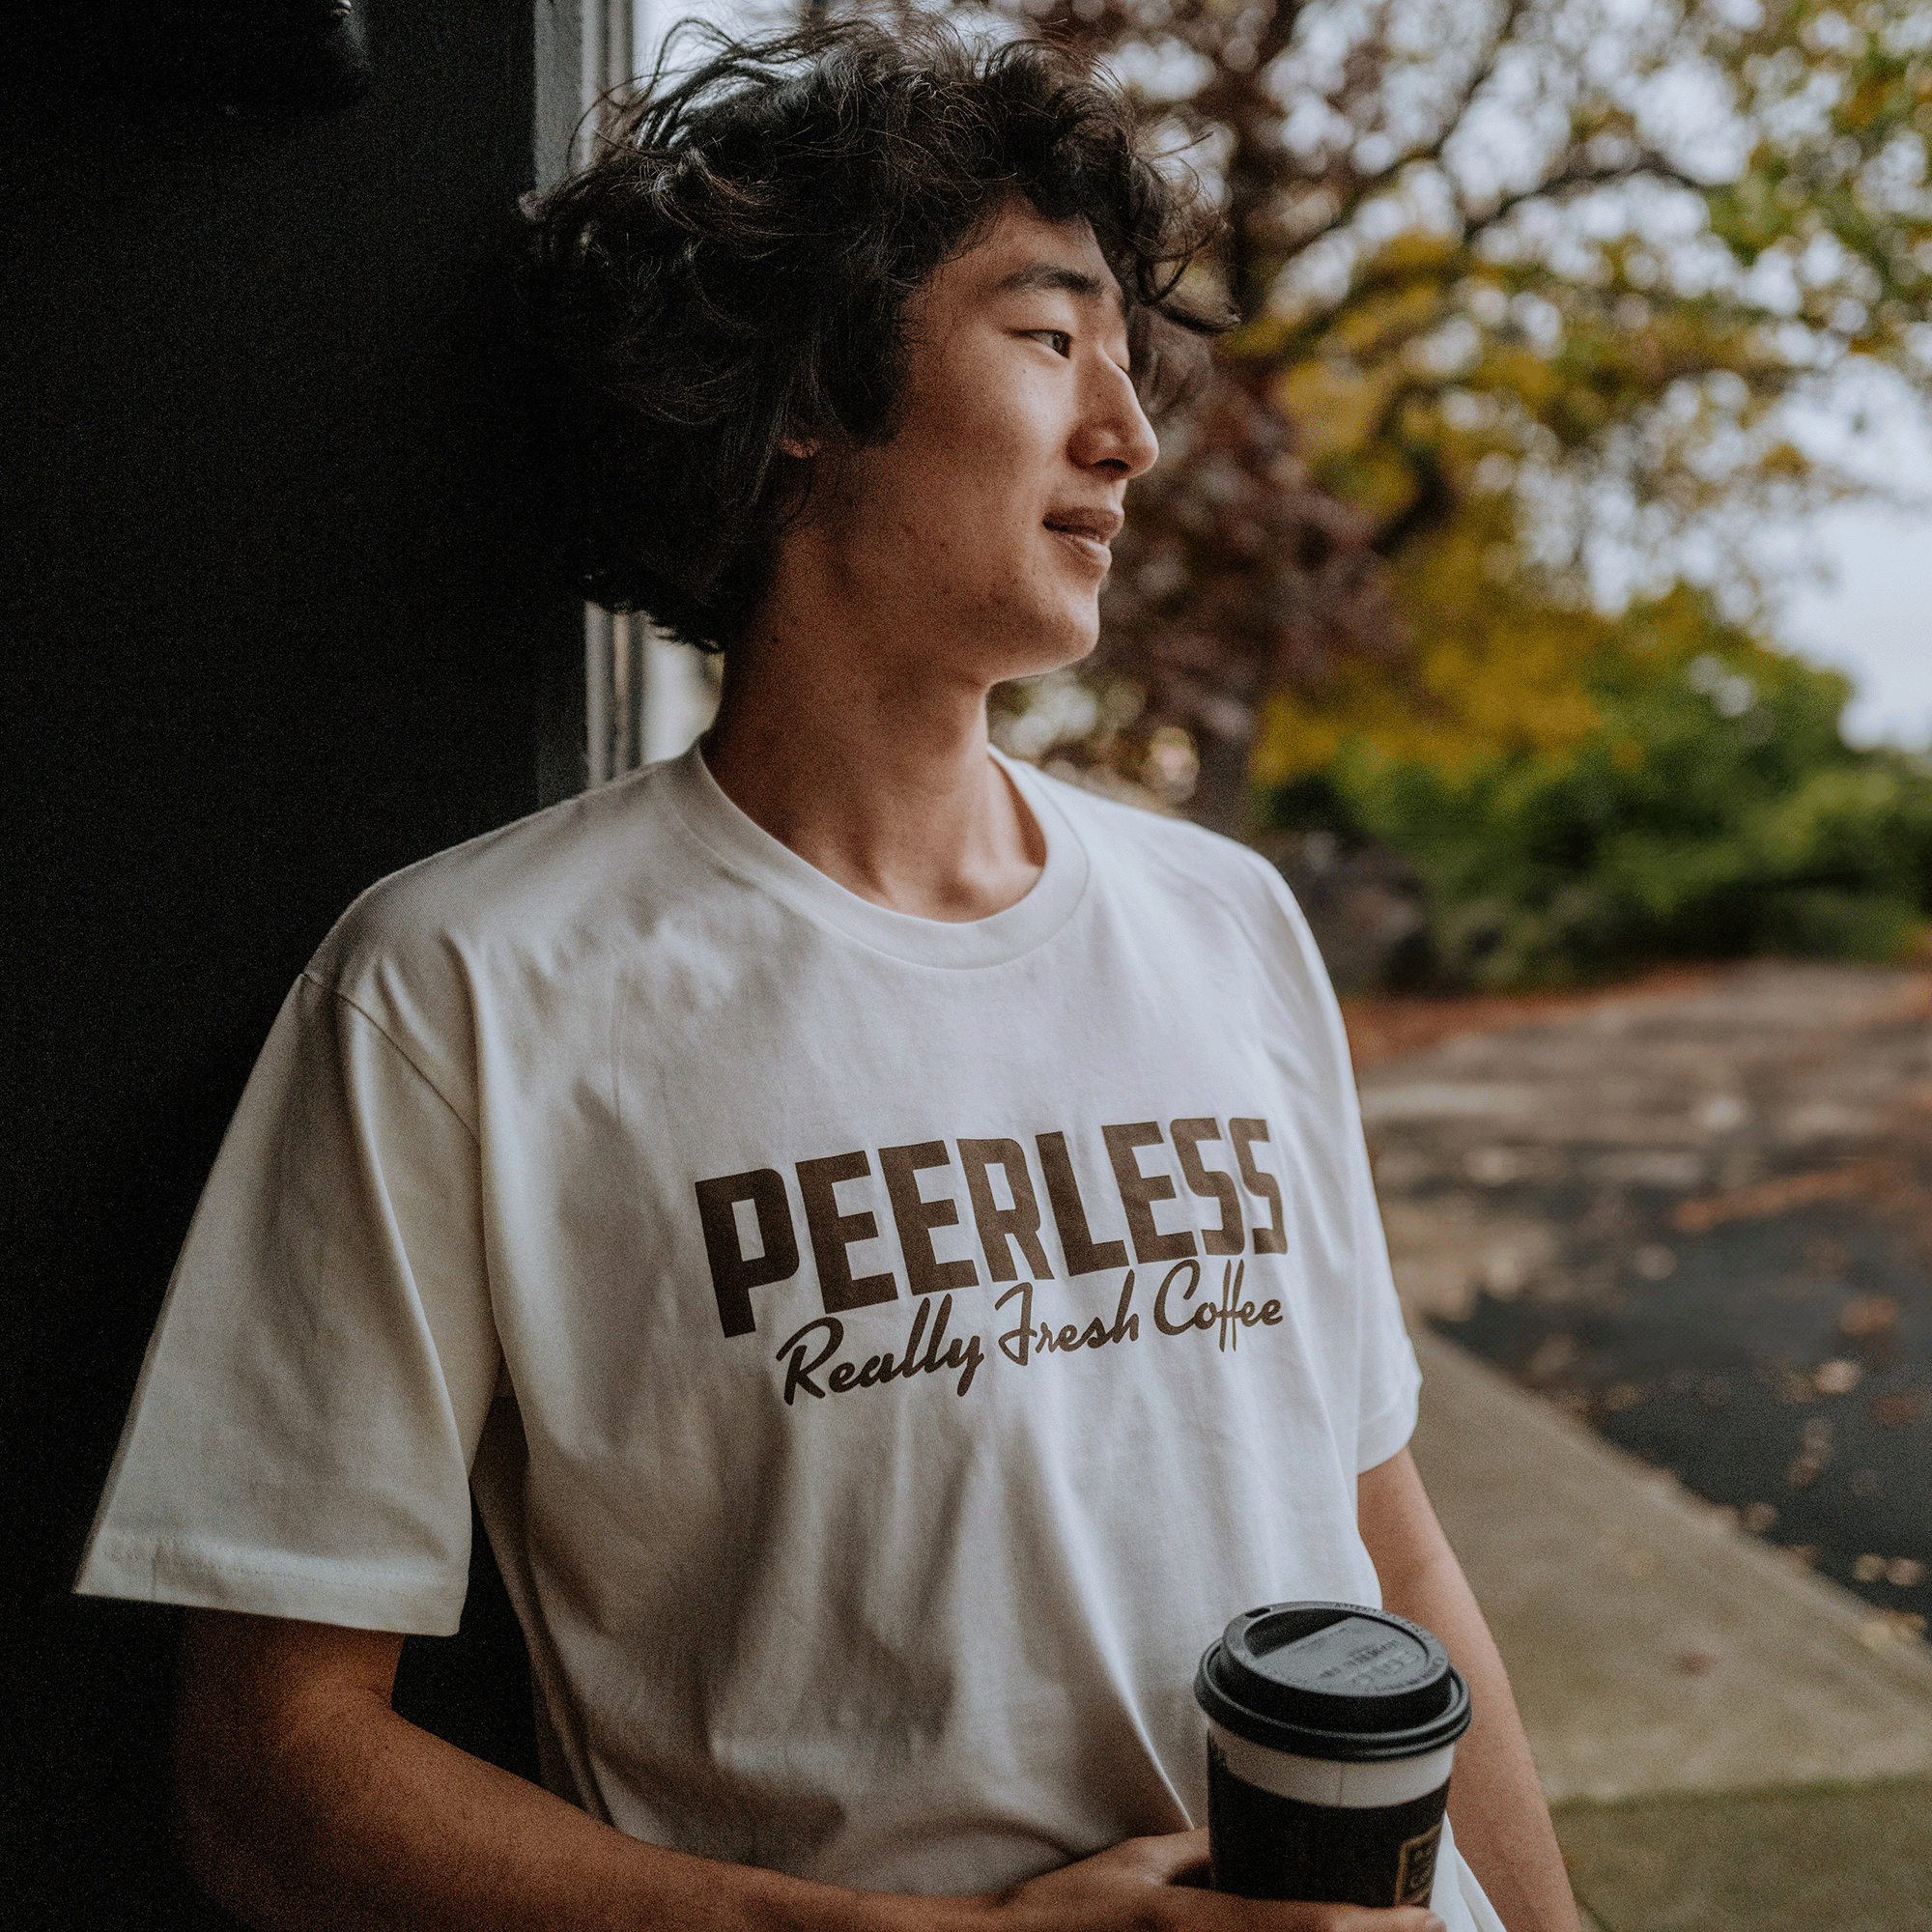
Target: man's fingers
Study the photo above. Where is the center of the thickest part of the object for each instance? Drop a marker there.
(1176, 1857)
(1135, 1883)
(1346, 1919)
(1276, 1917)
(1355, 1919)
(1182, 1859)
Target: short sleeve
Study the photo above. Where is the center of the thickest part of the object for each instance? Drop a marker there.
(1390, 1379)
(300, 1436)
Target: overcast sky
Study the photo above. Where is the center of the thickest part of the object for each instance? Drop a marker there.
(1874, 619)
(1876, 623)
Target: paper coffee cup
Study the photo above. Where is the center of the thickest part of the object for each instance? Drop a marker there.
(1331, 1729)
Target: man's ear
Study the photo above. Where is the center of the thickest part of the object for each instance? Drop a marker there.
(798, 447)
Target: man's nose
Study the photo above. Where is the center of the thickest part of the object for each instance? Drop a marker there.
(1114, 431)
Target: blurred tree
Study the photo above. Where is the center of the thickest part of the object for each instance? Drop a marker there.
(1709, 810)
(1523, 284)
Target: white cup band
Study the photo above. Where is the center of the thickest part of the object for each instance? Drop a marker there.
(1320, 1781)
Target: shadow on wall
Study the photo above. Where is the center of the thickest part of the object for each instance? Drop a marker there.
(278, 626)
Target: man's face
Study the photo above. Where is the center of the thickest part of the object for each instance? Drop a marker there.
(973, 543)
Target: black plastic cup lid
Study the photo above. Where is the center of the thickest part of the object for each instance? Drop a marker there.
(1334, 1681)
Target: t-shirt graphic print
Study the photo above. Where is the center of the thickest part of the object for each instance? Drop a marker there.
(750, 1240)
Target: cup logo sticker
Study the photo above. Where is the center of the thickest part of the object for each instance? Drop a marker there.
(1415, 1867)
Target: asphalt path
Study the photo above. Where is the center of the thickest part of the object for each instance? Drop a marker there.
(1697, 1217)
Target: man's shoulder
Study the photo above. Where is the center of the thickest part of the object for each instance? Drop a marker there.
(1171, 878)
(1160, 845)
(550, 882)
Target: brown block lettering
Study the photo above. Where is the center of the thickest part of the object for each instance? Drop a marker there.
(1209, 1182)
(1140, 1191)
(1000, 1227)
(832, 1232)
(1272, 1240)
(1084, 1256)
(732, 1275)
(915, 1217)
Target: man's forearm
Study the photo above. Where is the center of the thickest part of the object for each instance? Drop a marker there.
(1495, 1801)
(320, 1806)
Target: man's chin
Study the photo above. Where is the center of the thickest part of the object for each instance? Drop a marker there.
(1061, 648)
(1012, 644)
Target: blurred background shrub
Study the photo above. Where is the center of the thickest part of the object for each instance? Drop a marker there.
(1708, 807)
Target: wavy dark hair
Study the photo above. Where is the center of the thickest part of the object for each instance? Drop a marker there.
(731, 273)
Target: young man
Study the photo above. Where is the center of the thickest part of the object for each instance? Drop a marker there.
(886, 1236)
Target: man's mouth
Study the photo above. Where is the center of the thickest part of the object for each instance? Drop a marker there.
(1088, 531)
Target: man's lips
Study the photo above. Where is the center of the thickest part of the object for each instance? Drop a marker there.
(1090, 531)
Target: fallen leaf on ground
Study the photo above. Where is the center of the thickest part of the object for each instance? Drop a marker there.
(1868, 1315)
(1776, 1197)
(1907, 1405)
(1891, 1627)
(1553, 1354)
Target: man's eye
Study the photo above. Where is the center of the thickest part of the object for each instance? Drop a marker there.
(1056, 339)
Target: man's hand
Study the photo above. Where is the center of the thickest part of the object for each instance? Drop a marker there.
(1156, 1885)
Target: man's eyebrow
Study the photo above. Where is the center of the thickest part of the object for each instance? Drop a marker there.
(1055, 276)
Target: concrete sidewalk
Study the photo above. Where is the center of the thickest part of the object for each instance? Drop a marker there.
(1666, 1662)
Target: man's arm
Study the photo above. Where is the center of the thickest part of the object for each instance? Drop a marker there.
(1496, 1803)
(304, 1802)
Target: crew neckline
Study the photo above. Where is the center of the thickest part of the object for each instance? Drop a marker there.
(744, 846)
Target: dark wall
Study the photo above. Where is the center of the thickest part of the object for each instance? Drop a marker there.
(275, 625)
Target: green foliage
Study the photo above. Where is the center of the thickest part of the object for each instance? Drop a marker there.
(1712, 810)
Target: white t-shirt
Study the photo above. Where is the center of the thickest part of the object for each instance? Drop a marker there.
(887, 1351)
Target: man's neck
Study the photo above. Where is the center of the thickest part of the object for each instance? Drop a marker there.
(884, 785)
